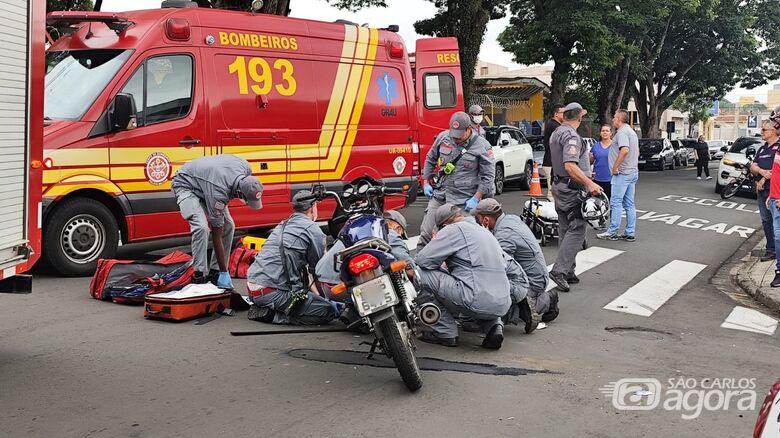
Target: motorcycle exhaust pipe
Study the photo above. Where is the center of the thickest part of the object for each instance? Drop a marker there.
(429, 313)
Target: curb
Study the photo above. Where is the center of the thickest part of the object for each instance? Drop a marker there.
(740, 275)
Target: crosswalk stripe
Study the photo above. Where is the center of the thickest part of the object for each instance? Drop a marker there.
(653, 291)
(749, 320)
(589, 259)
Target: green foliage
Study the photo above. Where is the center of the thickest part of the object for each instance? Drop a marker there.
(467, 21)
(69, 5)
(698, 109)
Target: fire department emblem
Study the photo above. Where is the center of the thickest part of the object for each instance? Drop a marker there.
(399, 164)
(158, 168)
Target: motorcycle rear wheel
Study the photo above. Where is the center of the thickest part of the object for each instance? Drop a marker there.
(399, 348)
(730, 189)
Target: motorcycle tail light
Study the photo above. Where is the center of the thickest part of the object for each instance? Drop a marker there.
(363, 263)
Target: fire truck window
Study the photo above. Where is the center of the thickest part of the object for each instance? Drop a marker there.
(168, 88)
(440, 90)
(135, 88)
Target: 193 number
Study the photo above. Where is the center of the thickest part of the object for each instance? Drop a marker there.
(261, 74)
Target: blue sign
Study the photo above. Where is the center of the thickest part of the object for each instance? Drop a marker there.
(752, 121)
(387, 88)
(715, 108)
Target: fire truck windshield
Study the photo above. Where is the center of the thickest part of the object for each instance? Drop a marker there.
(74, 79)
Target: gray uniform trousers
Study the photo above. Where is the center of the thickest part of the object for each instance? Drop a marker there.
(571, 228)
(192, 210)
(444, 290)
(314, 311)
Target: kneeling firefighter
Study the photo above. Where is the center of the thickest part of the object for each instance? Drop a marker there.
(278, 280)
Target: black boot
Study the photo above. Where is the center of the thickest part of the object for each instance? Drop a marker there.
(199, 278)
(494, 338)
(262, 314)
(776, 281)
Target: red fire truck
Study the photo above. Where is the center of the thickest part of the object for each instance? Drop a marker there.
(21, 140)
(303, 101)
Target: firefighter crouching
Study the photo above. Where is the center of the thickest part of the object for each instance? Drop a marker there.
(203, 188)
(466, 175)
(278, 279)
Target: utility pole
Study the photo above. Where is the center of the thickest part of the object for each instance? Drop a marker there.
(736, 120)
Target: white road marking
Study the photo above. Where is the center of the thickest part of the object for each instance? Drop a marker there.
(653, 291)
(749, 320)
(588, 259)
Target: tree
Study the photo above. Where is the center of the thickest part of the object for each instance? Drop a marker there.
(698, 110)
(703, 51)
(69, 5)
(573, 34)
(282, 7)
(467, 21)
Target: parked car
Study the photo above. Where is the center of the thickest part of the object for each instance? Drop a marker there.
(736, 154)
(681, 154)
(689, 144)
(514, 156)
(716, 148)
(656, 153)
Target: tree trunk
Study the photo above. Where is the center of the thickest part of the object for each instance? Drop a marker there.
(560, 78)
(469, 41)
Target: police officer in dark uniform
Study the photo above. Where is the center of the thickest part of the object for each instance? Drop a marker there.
(571, 170)
(762, 167)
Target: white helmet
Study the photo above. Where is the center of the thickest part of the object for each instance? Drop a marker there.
(775, 117)
(595, 210)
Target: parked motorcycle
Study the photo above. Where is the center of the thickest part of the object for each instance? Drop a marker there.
(746, 180)
(374, 283)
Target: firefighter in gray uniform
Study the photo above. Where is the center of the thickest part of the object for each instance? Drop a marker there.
(474, 284)
(203, 188)
(571, 167)
(517, 240)
(278, 281)
(466, 173)
(396, 224)
(477, 115)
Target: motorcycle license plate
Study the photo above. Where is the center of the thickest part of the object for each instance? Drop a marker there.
(374, 295)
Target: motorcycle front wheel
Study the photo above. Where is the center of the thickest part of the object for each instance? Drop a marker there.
(398, 346)
(730, 189)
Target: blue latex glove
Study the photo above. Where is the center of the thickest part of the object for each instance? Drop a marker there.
(428, 190)
(472, 203)
(224, 281)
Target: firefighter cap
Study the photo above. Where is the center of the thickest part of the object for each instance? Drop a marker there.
(459, 123)
(252, 190)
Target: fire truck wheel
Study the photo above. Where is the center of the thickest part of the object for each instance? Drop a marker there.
(78, 233)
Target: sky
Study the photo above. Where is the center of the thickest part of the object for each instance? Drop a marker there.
(382, 17)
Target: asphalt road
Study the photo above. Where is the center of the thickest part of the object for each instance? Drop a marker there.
(73, 366)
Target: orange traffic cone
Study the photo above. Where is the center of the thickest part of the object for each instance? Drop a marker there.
(536, 187)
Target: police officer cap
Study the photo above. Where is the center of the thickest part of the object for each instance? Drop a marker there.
(301, 204)
(575, 106)
(488, 206)
(445, 213)
(252, 190)
(476, 110)
(459, 123)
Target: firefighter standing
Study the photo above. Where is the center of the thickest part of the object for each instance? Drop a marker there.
(275, 281)
(203, 188)
(571, 170)
(466, 175)
(477, 115)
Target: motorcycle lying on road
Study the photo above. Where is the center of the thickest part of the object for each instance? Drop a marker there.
(374, 283)
(745, 181)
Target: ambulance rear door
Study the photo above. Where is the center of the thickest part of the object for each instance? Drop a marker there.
(438, 87)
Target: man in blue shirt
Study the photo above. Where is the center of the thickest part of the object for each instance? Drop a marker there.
(762, 166)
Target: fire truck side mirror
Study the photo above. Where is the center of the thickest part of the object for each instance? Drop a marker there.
(122, 115)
